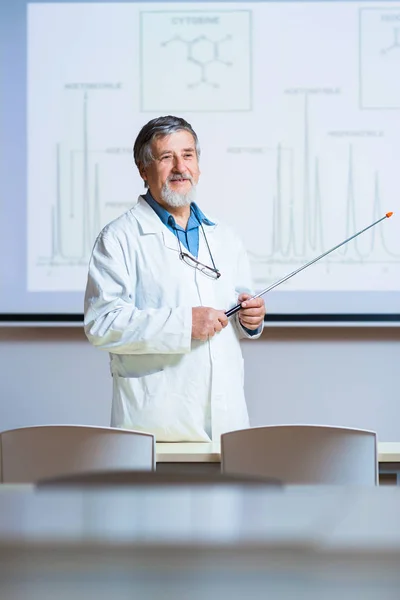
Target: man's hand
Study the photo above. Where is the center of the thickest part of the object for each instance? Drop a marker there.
(252, 313)
(206, 322)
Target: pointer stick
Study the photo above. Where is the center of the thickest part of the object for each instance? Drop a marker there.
(236, 308)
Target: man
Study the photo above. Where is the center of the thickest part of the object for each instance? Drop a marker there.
(160, 279)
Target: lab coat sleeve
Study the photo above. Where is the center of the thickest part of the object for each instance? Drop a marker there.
(113, 322)
(244, 284)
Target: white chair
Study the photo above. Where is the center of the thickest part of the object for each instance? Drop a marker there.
(33, 453)
(302, 454)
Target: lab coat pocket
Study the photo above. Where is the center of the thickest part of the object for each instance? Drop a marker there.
(142, 393)
(153, 385)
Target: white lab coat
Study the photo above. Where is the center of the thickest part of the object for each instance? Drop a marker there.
(138, 307)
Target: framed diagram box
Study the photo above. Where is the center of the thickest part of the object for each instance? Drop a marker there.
(379, 35)
(200, 59)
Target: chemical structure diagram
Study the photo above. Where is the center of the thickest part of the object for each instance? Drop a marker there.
(202, 51)
(395, 44)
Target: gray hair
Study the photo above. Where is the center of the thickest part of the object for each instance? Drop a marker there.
(159, 127)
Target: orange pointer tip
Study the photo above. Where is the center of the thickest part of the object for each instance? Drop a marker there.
(389, 214)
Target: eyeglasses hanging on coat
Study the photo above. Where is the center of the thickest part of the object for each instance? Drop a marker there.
(211, 272)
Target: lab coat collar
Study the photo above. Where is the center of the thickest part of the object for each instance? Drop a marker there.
(150, 222)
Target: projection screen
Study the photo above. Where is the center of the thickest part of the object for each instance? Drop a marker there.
(296, 105)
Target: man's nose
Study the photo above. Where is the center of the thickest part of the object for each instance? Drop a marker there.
(179, 165)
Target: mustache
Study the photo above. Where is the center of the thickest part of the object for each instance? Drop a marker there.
(180, 177)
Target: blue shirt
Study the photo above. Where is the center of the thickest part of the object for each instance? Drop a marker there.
(189, 237)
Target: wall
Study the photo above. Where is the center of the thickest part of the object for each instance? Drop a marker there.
(341, 376)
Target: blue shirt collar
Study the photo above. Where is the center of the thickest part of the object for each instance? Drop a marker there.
(196, 215)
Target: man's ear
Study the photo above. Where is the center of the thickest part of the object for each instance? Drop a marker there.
(142, 172)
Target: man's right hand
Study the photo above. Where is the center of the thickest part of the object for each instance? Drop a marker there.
(206, 322)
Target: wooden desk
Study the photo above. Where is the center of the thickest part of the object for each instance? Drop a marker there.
(187, 456)
(207, 457)
(389, 459)
(187, 452)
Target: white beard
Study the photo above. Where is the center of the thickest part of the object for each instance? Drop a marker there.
(176, 200)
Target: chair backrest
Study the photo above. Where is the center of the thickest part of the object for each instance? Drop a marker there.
(33, 453)
(303, 454)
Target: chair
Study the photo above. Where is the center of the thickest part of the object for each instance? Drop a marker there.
(33, 453)
(302, 454)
